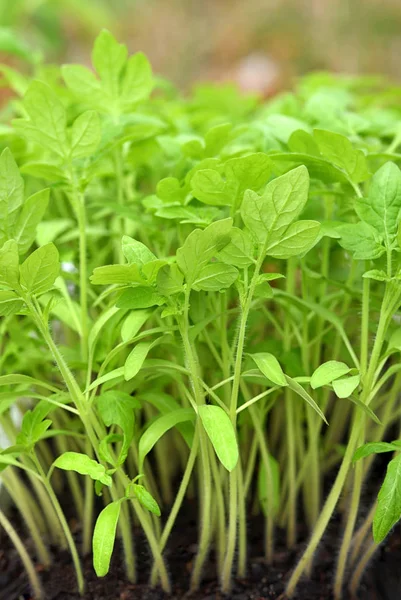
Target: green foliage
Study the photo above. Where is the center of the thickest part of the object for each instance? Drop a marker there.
(182, 299)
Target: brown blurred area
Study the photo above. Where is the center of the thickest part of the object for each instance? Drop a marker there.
(261, 44)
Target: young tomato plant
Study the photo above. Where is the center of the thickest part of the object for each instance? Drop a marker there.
(199, 298)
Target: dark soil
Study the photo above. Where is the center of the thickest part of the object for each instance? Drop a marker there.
(382, 582)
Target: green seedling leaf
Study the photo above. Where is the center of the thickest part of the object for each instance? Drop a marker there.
(85, 134)
(104, 535)
(381, 209)
(298, 389)
(11, 193)
(145, 498)
(29, 218)
(339, 150)
(376, 274)
(34, 426)
(344, 387)
(268, 216)
(202, 245)
(10, 303)
(221, 433)
(135, 252)
(159, 427)
(80, 463)
(137, 82)
(270, 367)
(120, 274)
(140, 297)
(133, 323)
(298, 239)
(40, 270)
(388, 508)
(109, 58)
(239, 251)
(328, 372)
(135, 359)
(215, 277)
(47, 123)
(9, 265)
(373, 448)
(99, 325)
(169, 280)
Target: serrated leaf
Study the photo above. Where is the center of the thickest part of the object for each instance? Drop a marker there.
(85, 134)
(135, 252)
(40, 270)
(29, 218)
(362, 240)
(82, 464)
(239, 251)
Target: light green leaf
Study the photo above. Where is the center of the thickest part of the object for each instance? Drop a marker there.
(140, 297)
(137, 81)
(10, 303)
(104, 535)
(376, 274)
(373, 448)
(239, 251)
(169, 280)
(29, 218)
(344, 387)
(40, 270)
(209, 187)
(221, 433)
(121, 274)
(297, 240)
(268, 216)
(11, 193)
(328, 372)
(388, 508)
(85, 134)
(159, 427)
(200, 246)
(136, 359)
(47, 118)
(146, 499)
(133, 324)
(82, 82)
(270, 367)
(135, 252)
(80, 463)
(381, 209)
(362, 240)
(9, 263)
(109, 58)
(339, 150)
(215, 277)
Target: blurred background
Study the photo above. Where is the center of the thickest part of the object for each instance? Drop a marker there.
(261, 44)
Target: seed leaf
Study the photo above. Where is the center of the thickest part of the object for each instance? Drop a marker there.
(344, 387)
(328, 372)
(221, 433)
(270, 367)
(298, 389)
(373, 448)
(388, 508)
(159, 427)
(104, 535)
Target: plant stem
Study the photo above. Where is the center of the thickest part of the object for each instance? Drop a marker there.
(26, 560)
(63, 523)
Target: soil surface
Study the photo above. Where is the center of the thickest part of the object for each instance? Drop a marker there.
(263, 582)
